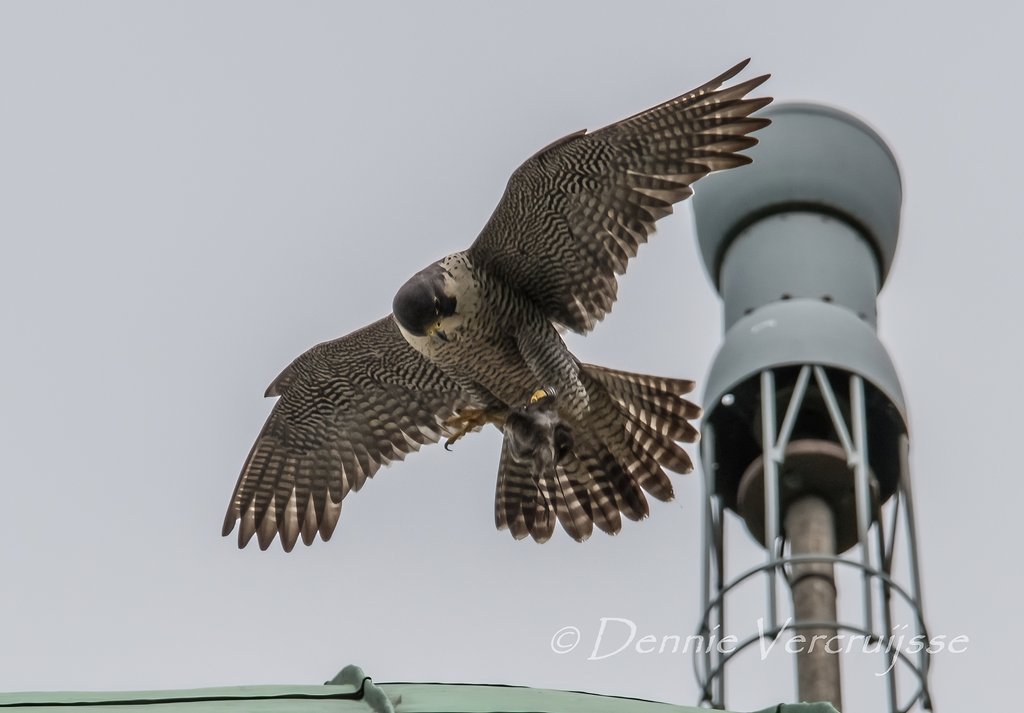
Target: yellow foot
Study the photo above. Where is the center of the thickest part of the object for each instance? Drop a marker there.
(467, 421)
(538, 395)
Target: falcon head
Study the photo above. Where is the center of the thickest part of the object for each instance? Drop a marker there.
(424, 302)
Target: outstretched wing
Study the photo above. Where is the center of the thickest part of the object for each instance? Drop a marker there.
(347, 407)
(573, 215)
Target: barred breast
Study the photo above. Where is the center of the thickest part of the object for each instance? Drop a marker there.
(498, 341)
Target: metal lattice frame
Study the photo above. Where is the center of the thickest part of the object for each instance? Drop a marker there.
(876, 544)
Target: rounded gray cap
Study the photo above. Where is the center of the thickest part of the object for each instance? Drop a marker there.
(784, 337)
(801, 331)
(811, 158)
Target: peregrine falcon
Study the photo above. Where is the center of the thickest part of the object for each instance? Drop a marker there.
(475, 338)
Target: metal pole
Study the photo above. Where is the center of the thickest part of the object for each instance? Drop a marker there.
(811, 531)
(715, 689)
(771, 486)
(862, 488)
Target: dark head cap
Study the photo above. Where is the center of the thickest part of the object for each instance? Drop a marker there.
(422, 301)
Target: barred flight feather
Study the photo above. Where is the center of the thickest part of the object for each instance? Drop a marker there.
(345, 408)
(609, 188)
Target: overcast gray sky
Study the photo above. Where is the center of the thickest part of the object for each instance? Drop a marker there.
(191, 194)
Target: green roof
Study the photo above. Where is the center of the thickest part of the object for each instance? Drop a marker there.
(353, 692)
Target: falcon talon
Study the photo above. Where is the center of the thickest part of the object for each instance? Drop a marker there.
(451, 440)
(467, 421)
(474, 332)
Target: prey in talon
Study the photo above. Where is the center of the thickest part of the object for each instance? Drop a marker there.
(536, 434)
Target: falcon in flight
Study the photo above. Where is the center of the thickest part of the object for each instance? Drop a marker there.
(474, 339)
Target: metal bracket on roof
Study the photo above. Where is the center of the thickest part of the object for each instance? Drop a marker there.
(371, 693)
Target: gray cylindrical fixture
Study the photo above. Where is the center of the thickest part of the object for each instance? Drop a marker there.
(799, 244)
(803, 254)
(805, 425)
(811, 159)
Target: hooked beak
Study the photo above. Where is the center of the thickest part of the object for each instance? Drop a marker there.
(435, 331)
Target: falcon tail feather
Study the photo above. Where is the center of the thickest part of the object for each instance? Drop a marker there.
(620, 452)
